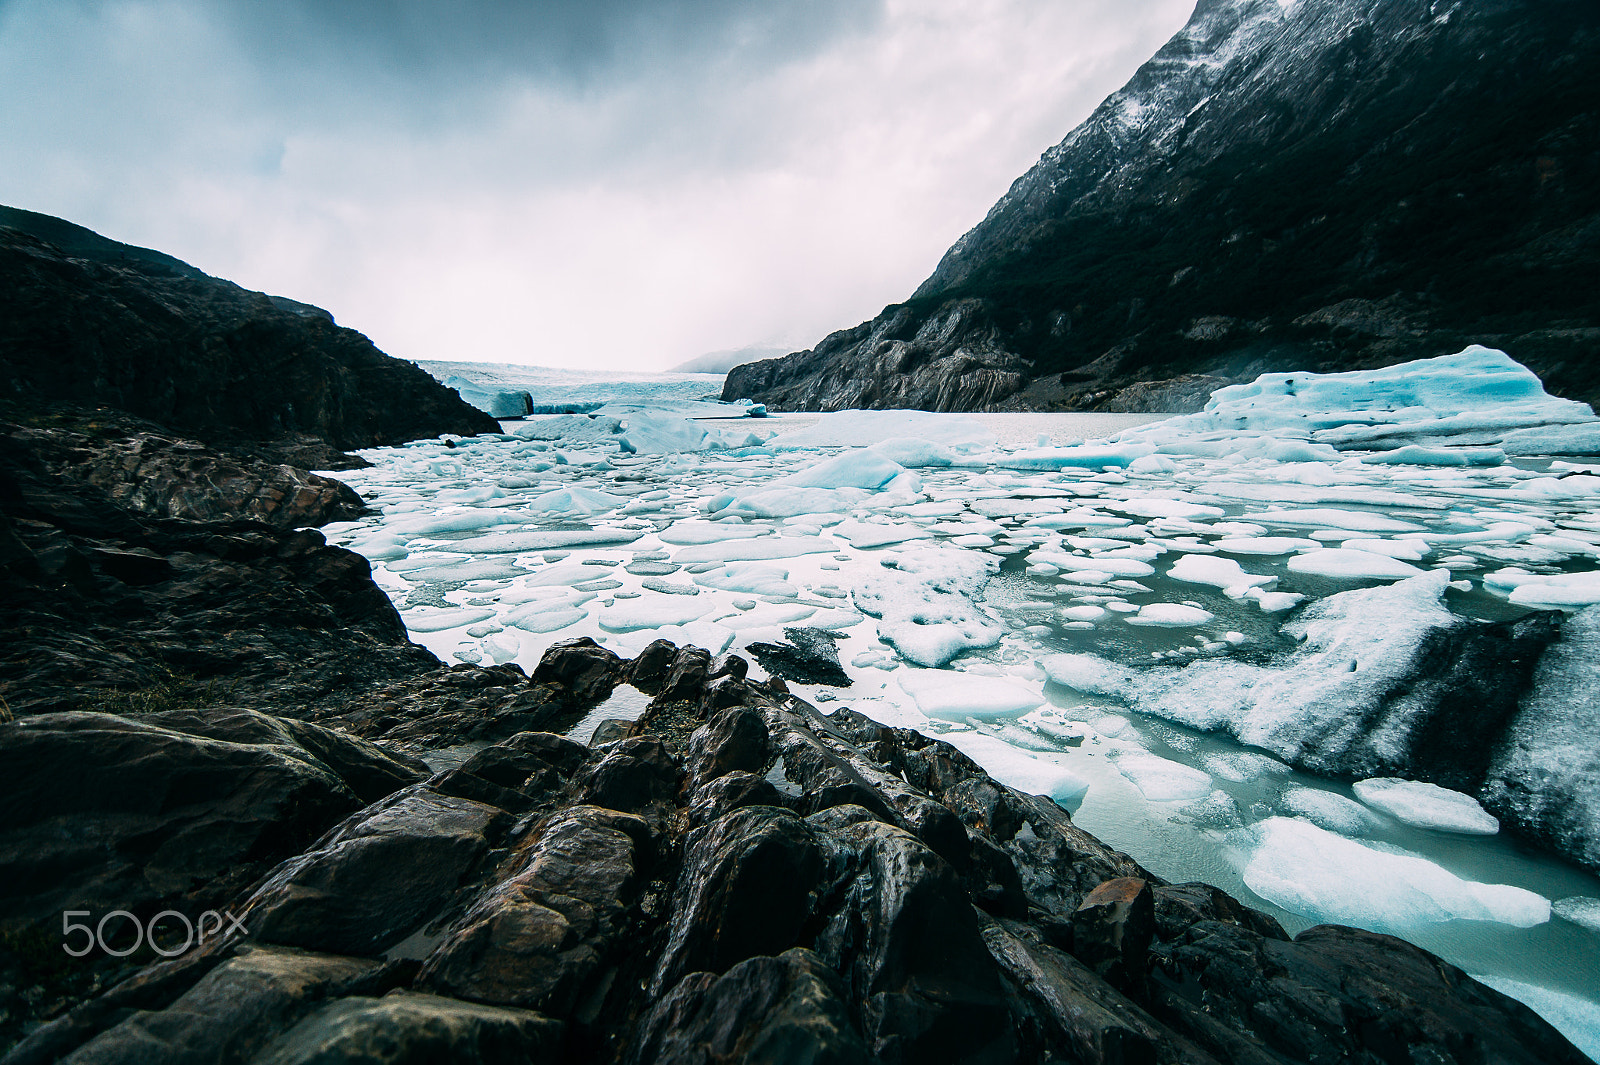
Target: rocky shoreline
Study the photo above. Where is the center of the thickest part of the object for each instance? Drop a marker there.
(733, 876)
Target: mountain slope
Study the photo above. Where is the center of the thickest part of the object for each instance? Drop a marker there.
(88, 321)
(1323, 185)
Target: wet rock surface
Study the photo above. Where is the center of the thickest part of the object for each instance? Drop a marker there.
(662, 898)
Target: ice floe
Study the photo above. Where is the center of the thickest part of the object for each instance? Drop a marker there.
(1328, 877)
(1426, 805)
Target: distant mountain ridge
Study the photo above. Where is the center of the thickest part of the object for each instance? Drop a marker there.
(1319, 185)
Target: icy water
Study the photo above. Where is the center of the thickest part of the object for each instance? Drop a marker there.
(984, 574)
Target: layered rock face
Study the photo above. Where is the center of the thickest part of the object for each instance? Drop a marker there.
(1324, 185)
(734, 876)
(100, 324)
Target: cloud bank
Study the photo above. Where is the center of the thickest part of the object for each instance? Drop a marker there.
(610, 183)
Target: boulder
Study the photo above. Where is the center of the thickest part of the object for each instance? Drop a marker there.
(374, 879)
(108, 812)
(790, 1009)
(407, 1028)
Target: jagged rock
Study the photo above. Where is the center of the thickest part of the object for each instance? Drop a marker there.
(632, 774)
(810, 657)
(583, 671)
(787, 1009)
(544, 935)
(406, 1028)
(108, 813)
(905, 938)
(1064, 1009)
(1339, 993)
(686, 677)
(378, 876)
(719, 921)
(649, 670)
(235, 1009)
(750, 883)
(734, 738)
(610, 731)
(1112, 928)
(728, 792)
(145, 469)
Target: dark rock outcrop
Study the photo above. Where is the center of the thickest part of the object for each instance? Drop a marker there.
(99, 324)
(1328, 185)
(184, 807)
(718, 921)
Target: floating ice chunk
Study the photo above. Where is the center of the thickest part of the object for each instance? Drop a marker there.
(1477, 390)
(1580, 439)
(1161, 779)
(653, 612)
(566, 573)
(1264, 545)
(750, 578)
(768, 615)
(1339, 562)
(704, 532)
(1087, 612)
(1580, 911)
(1274, 602)
(951, 694)
(1311, 871)
(790, 502)
(925, 605)
(550, 615)
(858, 428)
(942, 509)
(1147, 465)
(769, 547)
(1018, 769)
(1556, 591)
(1223, 573)
(861, 468)
(1426, 805)
(455, 520)
(575, 500)
(1241, 766)
(1164, 508)
(914, 452)
(1091, 456)
(437, 619)
(864, 534)
(1082, 518)
(657, 433)
(1406, 550)
(1417, 455)
(1170, 616)
(1326, 518)
(543, 540)
(569, 429)
(1329, 810)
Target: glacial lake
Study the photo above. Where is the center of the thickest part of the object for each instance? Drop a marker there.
(495, 548)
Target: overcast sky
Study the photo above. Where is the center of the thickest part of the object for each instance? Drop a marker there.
(587, 183)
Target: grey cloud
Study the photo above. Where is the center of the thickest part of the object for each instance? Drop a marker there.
(579, 43)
